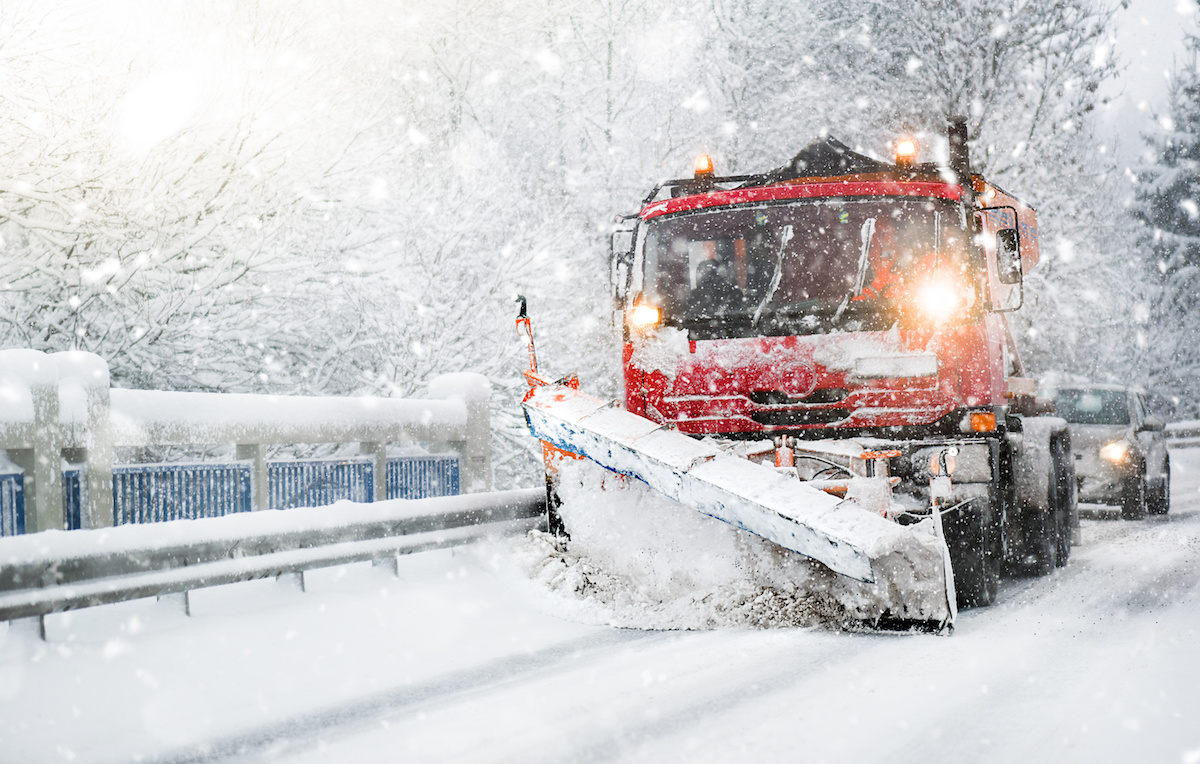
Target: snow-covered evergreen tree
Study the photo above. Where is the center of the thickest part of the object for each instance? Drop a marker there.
(1168, 206)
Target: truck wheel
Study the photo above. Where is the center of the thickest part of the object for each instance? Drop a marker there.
(975, 557)
(1159, 501)
(1065, 497)
(1133, 499)
(1046, 520)
(1043, 476)
(1041, 530)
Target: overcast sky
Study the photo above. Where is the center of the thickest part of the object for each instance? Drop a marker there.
(1149, 41)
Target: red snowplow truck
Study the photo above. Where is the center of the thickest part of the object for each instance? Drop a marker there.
(842, 298)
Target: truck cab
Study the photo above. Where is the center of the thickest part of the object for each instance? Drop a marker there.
(850, 296)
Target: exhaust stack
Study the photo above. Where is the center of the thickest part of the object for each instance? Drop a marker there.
(960, 157)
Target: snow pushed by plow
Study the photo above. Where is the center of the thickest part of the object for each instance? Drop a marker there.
(901, 571)
(638, 559)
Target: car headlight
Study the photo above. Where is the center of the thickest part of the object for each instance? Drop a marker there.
(1116, 452)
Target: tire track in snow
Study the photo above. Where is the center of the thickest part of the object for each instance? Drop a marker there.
(291, 734)
(696, 710)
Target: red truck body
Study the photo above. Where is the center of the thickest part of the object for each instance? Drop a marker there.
(896, 369)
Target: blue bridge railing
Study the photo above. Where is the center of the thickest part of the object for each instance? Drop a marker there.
(74, 496)
(317, 482)
(12, 503)
(150, 493)
(421, 477)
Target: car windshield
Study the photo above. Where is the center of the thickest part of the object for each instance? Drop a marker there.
(1092, 406)
(799, 268)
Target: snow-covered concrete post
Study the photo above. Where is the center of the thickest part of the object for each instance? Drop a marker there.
(377, 450)
(475, 392)
(257, 453)
(99, 457)
(45, 496)
(83, 389)
(29, 431)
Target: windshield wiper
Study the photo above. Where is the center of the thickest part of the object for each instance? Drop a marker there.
(776, 277)
(867, 234)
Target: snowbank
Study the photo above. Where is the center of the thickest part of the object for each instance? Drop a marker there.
(54, 546)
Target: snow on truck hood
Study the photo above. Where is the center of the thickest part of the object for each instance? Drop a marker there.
(875, 355)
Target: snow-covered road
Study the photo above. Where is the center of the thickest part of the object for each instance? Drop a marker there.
(463, 659)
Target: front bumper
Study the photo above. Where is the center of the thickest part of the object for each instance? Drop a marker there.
(1100, 481)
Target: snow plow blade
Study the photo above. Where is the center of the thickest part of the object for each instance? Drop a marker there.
(906, 567)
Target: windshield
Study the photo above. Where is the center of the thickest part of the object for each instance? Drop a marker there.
(1092, 406)
(799, 268)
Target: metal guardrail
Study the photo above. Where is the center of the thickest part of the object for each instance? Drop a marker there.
(1183, 434)
(59, 570)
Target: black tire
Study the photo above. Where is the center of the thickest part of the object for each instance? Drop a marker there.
(1047, 531)
(1064, 537)
(1159, 501)
(1133, 499)
(1066, 498)
(975, 557)
(1041, 533)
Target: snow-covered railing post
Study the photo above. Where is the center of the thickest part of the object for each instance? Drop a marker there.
(83, 390)
(475, 392)
(44, 496)
(29, 395)
(256, 454)
(377, 450)
(53, 406)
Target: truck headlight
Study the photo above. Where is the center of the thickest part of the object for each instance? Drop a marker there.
(643, 317)
(1116, 452)
(942, 299)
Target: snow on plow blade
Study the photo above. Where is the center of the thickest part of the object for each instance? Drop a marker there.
(906, 567)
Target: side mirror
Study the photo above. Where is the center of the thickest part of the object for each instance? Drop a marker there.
(620, 252)
(1153, 424)
(620, 245)
(1008, 256)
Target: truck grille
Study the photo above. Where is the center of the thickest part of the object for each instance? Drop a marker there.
(780, 398)
(797, 417)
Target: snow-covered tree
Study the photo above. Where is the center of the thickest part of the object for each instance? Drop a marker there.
(1026, 73)
(1168, 206)
(341, 197)
(134, 230)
